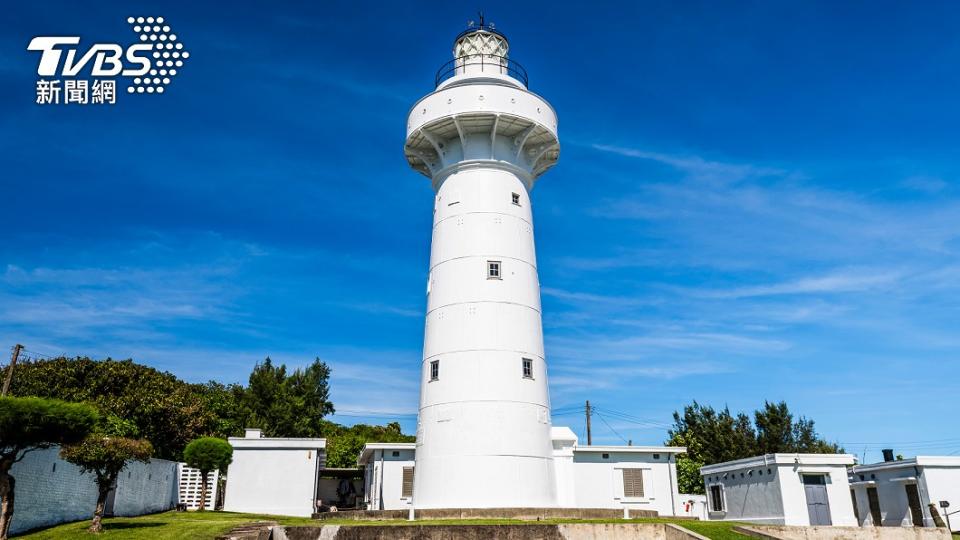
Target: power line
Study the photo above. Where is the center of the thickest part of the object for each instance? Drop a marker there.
(602, 419)
(651, 424)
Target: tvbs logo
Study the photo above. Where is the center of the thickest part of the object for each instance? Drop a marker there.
(69, 74)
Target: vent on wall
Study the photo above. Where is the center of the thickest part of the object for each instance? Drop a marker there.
(407, 489)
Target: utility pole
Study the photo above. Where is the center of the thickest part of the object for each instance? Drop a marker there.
(589, 436)
(13, 362)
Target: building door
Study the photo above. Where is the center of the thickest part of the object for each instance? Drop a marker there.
(874, 501)
(856, 508)
(913, 500)
(818, 506)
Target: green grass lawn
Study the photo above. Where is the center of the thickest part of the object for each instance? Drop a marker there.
(207, 525)
(165, 526)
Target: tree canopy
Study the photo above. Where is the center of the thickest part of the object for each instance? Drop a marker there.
(170, 412)
(208, 454)
(167, 411)
(345, 443)
(713, 436)
(291, 405)
(29, 423)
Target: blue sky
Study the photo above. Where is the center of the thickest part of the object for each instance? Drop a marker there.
(754, 201)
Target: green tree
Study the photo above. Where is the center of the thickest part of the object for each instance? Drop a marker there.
(167, 411)
(105, 453)
(775, 429)
(345, 443)
(207, 454)
(30, 423)
(288, 405)
(713, 436)
(688, 468)
(228, 406)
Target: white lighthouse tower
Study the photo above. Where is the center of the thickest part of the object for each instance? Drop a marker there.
(483, 433)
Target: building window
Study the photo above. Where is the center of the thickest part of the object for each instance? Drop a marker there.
(716, 498)
(396, 453)
(656, 456)
(605, 456)
(527, 368)
(434, 370)
(407, 490)
(493, 270)
(515, 198)
(632, 483)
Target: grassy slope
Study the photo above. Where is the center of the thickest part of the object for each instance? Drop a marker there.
(207, 525)
(165, 526)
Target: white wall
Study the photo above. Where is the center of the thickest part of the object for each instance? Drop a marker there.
(385, 480)
(190, 486)
(691, 505)
(756, 497)
(779, 498)
(838, 494)
(146, 488)
(598, 482)
(943, 484)
(272, 481)
(50, 491)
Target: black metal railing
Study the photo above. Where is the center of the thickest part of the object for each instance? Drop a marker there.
(487, 63)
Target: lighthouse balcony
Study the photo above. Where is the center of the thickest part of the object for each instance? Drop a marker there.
(474, 65)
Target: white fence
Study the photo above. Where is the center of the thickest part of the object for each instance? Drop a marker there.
(50, 490)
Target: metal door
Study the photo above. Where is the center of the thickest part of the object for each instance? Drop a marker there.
(913, 500)
(818, 506)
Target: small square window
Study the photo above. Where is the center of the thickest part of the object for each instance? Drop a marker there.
(515, 198)
(656, 456)
(606, 456)
(434, 370)
(527, 368)
(396, 453)
(493, 270)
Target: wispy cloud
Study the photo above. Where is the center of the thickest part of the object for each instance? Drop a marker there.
(698, 168)
(839, 282)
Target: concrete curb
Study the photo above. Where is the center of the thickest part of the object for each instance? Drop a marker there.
(750, 531)
(529, 531)
(682, 532)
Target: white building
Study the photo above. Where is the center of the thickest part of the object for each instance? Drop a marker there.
(190, 482)
(781, 489)
(483, 434)
(899, 492)
(273, 476)
(618, 477)
(387, 475)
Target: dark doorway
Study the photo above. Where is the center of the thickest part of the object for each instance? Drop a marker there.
(818, 506)
(913, 500)
(856, 509)
(874, 500)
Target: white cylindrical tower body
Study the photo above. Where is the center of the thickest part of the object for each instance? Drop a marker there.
(483, 433)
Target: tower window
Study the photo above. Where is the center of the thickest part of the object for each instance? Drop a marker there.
(493, 270)
(516, 198)
(527, 368)
(434, 370)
